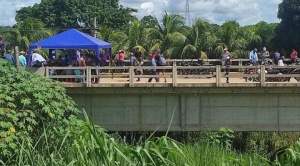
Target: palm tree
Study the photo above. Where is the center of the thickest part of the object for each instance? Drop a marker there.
(168, 36)
(237, 39)
(28, 31)
(200, 38)
(117, 38)
(137, 36)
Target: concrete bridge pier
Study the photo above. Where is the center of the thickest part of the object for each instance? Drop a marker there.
(191, 108)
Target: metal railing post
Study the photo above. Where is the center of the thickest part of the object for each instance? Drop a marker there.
(218, 75)
(174, 74)
(131, 76)
(262, 76)
(88, 76)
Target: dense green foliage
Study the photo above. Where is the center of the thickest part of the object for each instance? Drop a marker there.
(91, 145)
(169, 34)
(289, 13)
(29, 103)
(26, 32)
(118, 26)
(65, 13)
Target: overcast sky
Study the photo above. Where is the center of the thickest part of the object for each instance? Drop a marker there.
(246, 12)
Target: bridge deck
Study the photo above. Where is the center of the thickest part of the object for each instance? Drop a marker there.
(186, 82)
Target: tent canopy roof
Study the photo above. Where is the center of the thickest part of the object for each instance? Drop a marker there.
(71, 39)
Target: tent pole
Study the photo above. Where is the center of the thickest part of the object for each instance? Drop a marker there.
(95, 26)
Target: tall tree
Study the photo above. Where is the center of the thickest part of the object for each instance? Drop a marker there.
(26, 32)
(148, 21)
(267, 32)
(75, 13)
(168, 35)
(118, 39)
(199, 38)
(288, 30)
(137, 35)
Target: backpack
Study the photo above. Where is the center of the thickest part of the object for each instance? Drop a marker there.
(162, 60)
(227, 62)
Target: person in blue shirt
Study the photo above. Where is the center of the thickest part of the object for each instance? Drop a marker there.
(22, 59)
(153, 71)
(276, 57)
(10, 58)
(253, 57)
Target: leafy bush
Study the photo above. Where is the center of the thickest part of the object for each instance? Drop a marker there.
(28, 104)
(264, 143)
(223, 137)
(289, 156)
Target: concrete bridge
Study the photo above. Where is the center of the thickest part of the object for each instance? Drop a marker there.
(189, 102)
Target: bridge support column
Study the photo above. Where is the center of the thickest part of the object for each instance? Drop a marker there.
(131, 76)
(88, 76)
(218, 75)
(183, 112)
(262, 76)
(174, 75)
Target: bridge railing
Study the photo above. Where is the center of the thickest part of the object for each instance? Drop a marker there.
(176, 76)
(235, 62)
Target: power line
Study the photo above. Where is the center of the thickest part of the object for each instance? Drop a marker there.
(39, 29)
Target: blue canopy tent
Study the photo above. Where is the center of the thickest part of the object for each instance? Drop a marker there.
(70, 39)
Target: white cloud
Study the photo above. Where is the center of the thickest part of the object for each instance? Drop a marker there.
(148, 7)
(8, 10)
(246, 12)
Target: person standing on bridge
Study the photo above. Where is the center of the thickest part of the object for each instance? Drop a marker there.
(294, 56)
(153, 64)
(224, 56)
(121, 59)
(265, 55)
(226, 61)
(253, 57)
(138, 61)
(276, 57)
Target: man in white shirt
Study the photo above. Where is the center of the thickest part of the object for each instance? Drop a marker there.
(280, 61)
(37, 58)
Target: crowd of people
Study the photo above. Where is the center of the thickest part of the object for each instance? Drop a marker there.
(137, 59)
(266, 59)
(84, 58)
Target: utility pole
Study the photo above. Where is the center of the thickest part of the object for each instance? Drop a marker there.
(95, 26)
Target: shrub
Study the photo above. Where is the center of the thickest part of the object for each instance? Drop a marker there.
(28, 104)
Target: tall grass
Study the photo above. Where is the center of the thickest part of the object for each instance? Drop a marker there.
(90, 145)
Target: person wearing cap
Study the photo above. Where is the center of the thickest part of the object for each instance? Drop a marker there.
(224, 56)
(265, 55)
(253, 57)
(22, 59)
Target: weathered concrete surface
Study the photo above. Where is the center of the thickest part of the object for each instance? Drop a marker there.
(36, 70)
(191, 109)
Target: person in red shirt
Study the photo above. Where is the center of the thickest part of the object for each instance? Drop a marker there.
(121, 59)
(294, 56)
